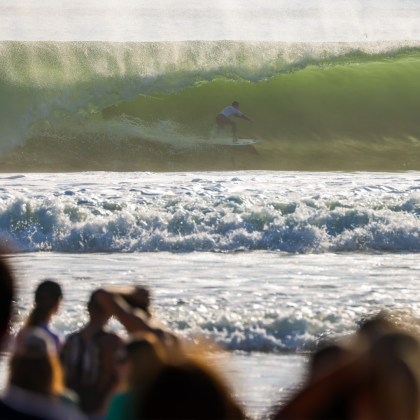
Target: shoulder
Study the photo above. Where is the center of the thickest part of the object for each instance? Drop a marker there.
(54, 332)
(55, 335)
(19, 338)
(71, 338)
(123, 398)
(9, 413)
(71, 345)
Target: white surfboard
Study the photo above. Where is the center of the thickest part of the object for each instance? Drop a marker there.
(230, 142)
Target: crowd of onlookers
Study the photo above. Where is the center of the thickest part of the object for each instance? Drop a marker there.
(94, 374)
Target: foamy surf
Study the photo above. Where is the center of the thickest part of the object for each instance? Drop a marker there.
(250, 301)
(219, 212)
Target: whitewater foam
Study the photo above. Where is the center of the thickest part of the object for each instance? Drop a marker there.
(293, 212)
(253, 301)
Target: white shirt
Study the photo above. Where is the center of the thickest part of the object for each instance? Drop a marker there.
(229, 111)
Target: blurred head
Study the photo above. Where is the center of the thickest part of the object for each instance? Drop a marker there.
(96, 312)
(326, 359)
(48, 296)
(235, 105)
(187, 392)
(6, 296)
(35, 366)
(144, 358)
(375, 376)
(392, 383)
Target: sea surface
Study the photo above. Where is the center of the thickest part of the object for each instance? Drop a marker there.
(108, 175)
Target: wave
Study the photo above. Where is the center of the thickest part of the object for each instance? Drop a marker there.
(228, 224)
(149, 106)
(273, 331)
(288, 328)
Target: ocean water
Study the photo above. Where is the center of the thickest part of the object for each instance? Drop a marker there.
(108, 174)
(265, 264)
(267, 309)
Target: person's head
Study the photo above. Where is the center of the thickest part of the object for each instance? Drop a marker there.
(392, 384)
(48, 296)
(326, 359)
(6, 296)
(187, 392)
(144, 358)
(375, 375)
(35, 366)
(96, 312)
(235, 105)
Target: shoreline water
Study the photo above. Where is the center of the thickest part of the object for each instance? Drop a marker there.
(255, 301)
(276, 302)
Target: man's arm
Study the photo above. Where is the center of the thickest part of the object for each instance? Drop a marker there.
(246, 118)
(137, 298)
(119, 309)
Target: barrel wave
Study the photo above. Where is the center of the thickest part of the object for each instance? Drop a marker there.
(151, 106)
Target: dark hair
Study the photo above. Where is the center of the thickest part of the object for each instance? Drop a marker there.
(235, 103)
(183, 392)
(47, 295)
(6, 295)
(147, 357)
(137, 303)
(94, 306)
(325, 358)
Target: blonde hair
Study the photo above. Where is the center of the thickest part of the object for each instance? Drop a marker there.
(43, 375)
(35, 365)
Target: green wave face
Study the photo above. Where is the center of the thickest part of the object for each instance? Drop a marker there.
(90, 106)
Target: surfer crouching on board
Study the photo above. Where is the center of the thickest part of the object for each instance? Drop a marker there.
(223, 119)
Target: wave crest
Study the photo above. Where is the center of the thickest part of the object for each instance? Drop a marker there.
(211, 224)
(325, 106)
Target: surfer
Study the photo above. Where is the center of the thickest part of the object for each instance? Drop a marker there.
(224, 119)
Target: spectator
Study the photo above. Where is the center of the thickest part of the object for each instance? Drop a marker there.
(376, 377)
(125, 309)
(36, 380)
(132, 310)
(6, 299)
(89, 359)
(187, 392)
(144, 358)
(48, 296)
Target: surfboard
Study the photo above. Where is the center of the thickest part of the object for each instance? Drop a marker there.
(230, 142)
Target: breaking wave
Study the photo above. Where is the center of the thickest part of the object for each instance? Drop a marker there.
(149, 106)
(228, 224)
